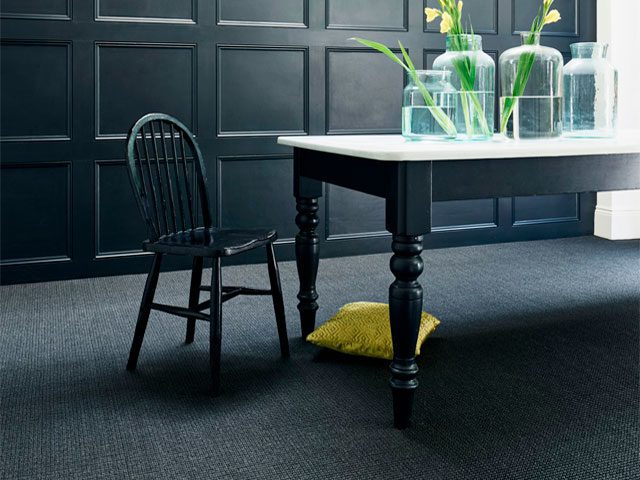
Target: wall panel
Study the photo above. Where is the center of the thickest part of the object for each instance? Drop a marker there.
(465, 214)
(36, 90)
(363, 94)
(36, 9)
(268, 101)
(40, 229)
(135, 78)
(546, 209)
(118, 228)
(149, 11)
(390, 15)
(258, 13)
(353, 214)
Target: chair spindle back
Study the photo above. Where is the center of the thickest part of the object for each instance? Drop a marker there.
(160, 151)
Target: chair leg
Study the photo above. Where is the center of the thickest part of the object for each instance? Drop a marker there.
(278, 303)
(215, 325)
(145, 311)
(194, 296)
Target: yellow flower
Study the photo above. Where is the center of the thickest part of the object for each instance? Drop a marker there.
(447, 23)
(460, 4)
(552, 17)
(432, 14)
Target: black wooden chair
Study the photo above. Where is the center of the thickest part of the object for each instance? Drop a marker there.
(167, 173)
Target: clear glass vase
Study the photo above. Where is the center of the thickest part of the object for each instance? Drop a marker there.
(531, 84)
(428, 117)
(590, 92)
(473, 76)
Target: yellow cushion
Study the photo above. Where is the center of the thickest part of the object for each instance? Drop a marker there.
(363, 328)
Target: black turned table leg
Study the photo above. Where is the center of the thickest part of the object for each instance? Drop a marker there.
(307, 192)
(406, 187)
(405, 310)
(408, 217)
(307, 258)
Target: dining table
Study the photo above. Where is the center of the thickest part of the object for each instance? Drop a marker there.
(410, 176)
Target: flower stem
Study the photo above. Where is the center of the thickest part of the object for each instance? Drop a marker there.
(523, 71)
(465, 68)
(525, 63)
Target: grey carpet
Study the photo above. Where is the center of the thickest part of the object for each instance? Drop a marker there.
(533, 374)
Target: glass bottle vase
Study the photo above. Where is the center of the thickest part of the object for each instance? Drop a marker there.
(428, 106)
(591, 92)
(531, 83)
(473, 76)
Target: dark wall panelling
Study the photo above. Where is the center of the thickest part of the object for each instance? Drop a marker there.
(546, 209)
(36, 9)
(36, 90)
(239, 73)
(279, 106)
(362, 92)
(131, 70)
(384, 15)
(484, 15)
(352, 214)
(525, 10)
(39, 230)
(260, 13)
(146, 11)
(250, 194)
(118, 228)
(357, 215)
(465, 214)
(430, 56)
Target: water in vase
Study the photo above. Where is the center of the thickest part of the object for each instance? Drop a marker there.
(473, 123)
(419, 123)
(534, 117)
(592, 110)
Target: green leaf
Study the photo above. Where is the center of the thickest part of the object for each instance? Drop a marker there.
(537, 21)
(523, 71)
(407, 58)
(382, 48)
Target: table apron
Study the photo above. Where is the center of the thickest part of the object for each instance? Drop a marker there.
(477, 179)
(360, 174)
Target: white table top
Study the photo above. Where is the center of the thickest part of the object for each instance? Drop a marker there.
(396, 148)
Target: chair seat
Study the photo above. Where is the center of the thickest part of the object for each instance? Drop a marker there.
(211, 242)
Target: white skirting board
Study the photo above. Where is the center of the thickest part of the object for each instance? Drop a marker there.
(617, 216)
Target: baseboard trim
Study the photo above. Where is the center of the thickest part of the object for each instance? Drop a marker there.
(617, 224)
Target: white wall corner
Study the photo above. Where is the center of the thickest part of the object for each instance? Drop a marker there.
(617, 215)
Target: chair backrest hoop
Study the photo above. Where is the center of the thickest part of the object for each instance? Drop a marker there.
(160, 150)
